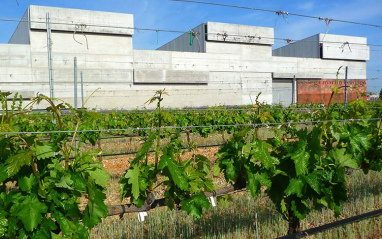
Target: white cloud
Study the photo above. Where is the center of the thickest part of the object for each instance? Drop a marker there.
(306, 7)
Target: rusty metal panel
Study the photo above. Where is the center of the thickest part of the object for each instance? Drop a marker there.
(319, 91)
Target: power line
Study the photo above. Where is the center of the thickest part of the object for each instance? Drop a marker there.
(280, 12)
(4, 19)
(287, 40)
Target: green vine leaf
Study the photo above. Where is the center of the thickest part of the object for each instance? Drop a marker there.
(195, 204)
(99, 175)
(145, 149)
(314, 180)
(167, 161)
(300, 157)
(3, 173)
(133, 178)
(91, 170)
(300, 208)
(4, 128)
(342, 159)
(55, 236)
(71, 229)
(15, 162)
(260, 153)
(256, 179)
(3, 223)
(47, 226)
(26, 183)
(359, 139)
(65, 182)
(45, 150)
(295, 187)
(29, 211)
(96, 208)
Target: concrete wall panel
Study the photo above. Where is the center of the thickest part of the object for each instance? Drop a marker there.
(15, 55)
(345, 51)
(66, 19)
(63, 42)
(225, 32)
(14, 75)
(254, 83)
(342, 38)
(144, 59)
(246, 51)
(92, 61)
(170, 77)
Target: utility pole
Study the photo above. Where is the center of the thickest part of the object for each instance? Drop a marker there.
(50, 64)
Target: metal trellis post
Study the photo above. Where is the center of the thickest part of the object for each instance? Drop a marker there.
(75, 82)
(82, 89)
(50, 64)
(294, 98)
(346, 86)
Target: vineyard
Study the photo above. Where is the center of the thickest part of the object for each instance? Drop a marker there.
(300, 162)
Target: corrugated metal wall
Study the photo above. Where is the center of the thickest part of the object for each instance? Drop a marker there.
(307, 48)
(21, 34)
(282, 90)
(182, 43)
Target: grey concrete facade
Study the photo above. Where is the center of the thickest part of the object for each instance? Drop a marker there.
(327, 46)
(233, 66)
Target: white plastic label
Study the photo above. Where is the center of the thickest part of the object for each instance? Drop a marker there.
(213, 203)
(141, 216)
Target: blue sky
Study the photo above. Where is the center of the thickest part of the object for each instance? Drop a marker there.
(164, 14)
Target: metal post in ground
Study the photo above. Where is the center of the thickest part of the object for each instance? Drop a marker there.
(82, 90)
(75, 82)
(50, 64)
(346, 86)
(294, 90)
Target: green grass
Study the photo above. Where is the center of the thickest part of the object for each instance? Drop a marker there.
(245, 214)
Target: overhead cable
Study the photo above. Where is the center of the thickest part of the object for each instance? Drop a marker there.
(224, 35)
(279, 12)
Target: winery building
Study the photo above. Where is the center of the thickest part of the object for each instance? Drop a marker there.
(212, 64)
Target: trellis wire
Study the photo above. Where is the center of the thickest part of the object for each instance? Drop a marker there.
(254, 125)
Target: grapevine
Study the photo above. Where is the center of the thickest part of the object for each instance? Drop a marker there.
(299, 168)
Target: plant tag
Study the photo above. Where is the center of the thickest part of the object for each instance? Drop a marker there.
(213, 203)
(141, 216)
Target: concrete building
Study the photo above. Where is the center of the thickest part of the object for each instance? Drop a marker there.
(227, 64)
